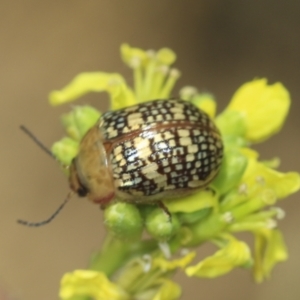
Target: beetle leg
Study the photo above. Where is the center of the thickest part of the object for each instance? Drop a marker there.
(165, 210)
(210, 189)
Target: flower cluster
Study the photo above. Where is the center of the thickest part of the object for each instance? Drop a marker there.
(245, 191)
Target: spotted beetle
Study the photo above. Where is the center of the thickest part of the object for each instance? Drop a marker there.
(156, 150)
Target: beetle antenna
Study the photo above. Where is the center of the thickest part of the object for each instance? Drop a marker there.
(36, 140)
(38, 224)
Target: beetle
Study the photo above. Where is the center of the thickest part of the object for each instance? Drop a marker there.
(146, 153)
(155, 150)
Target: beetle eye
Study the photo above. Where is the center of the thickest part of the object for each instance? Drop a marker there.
(82, 191)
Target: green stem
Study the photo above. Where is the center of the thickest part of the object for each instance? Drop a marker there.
(169, 84)
(138, 82)
(248, 207)
(144, 281)
(115, 253)
(158, 80)
(207, 229)
(148, 79)
(149, 280)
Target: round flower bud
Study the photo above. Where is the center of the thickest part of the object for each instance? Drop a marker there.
(123, 220)
(79, 121)
(160, 225)
(65, 150)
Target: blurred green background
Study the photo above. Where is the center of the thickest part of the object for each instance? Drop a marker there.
(44, 44)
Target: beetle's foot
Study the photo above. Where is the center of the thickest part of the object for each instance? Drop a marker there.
(165, 209)
(210, 189)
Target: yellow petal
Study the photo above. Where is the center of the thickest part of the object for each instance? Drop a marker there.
(169, 265)
(120, 95)
(235, 254)
(283, 184)
(272, 163)
(264, 107)
(90, 284)
(250, 153)
(83, 84)
(133, 57)
(270, 249)
(113, 83)
(168, 290)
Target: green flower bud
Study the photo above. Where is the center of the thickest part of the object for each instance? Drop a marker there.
(188, 92)
(79, 121)
(206, 102)
(123, 220)
(232, 169)
(65, 150)
(160, 226)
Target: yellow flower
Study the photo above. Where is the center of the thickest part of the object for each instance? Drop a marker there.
(153, 80)
(234, 254)
(168, 290)
(84, 83)
(258, 174)
(134, 57)
(269, 250)
(87, 283)
(263, 106)
(259, 186)
(240, 198)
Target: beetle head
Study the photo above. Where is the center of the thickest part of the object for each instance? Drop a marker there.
(75, 183)
(90, 174)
